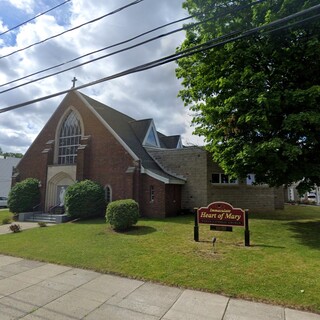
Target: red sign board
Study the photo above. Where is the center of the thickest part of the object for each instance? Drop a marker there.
(221, 214)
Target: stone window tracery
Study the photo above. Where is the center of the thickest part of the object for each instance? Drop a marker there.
(69, 139)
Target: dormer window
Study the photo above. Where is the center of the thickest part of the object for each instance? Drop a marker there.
(69, 139)
(151, 139)
(179, 144)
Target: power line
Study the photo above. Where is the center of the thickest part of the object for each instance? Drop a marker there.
(72, 29)
(182, 54)
(95, 59)
(35, 17)
(239, 8)
(90, 53)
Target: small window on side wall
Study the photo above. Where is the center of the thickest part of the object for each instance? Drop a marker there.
(151, 193)
(222, 178)
(215, 178)
(108, 194)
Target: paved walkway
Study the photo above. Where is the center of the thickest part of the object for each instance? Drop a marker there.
(24, 226)
(33, 290)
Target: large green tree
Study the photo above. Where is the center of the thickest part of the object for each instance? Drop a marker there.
(256, 99)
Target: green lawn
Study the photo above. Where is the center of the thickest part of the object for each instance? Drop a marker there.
(281, 266)
(4, 214)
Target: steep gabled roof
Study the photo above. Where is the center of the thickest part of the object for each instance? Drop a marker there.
(132, 133)
(140, 128)
(169, 142)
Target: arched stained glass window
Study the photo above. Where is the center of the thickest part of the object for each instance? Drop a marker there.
(69, 139)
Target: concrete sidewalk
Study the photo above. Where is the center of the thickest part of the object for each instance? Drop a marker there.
(5, 228)
(34, 290)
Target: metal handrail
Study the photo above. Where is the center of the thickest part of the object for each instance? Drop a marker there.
(53, 209)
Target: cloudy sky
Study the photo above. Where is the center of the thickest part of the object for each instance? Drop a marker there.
(148, 94)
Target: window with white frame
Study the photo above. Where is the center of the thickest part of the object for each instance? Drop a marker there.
(151, 138)
(69, 139)
(222, 178)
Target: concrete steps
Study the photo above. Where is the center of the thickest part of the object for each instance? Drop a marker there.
(43, 217)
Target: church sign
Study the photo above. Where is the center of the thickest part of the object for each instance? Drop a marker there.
(222, 216)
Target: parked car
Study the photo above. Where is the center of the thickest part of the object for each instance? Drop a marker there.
(3, 202)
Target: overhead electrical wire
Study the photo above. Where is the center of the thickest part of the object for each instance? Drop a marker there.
(90, 53)
(35, 17)
(74, 28)
(239, 8)
(184, 53)
(96, 59)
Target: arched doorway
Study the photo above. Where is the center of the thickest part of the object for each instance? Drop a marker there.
(56, 188)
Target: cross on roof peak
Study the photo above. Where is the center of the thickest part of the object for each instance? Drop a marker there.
(74, 82)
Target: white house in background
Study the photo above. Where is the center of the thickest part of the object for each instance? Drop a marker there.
(292, 195)
(6, 167)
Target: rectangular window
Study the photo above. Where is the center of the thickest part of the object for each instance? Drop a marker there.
(222, 178)
(151, 193)
(215, 178)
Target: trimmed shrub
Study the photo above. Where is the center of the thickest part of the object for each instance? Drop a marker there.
(24, 196)
(42, 224)
(122, 214)
(85, 199)
(6, 221)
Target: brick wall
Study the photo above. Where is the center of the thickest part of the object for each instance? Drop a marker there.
(155, 208)
(191, 163)
(279, 196)
(103, 159)
(197, 166)
(254, 198)
(259, 198)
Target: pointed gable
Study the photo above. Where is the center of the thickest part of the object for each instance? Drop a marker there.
(133, 135)
(140, 128)
(170, 142)
(151, 139)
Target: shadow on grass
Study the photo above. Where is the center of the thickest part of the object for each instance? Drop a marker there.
(89, 221)
(307, 232)
(138, 231)
(180, 219)
(266, 246)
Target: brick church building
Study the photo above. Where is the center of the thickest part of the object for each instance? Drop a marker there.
(85, 139)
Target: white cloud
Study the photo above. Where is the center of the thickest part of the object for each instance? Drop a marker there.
(148, 94)
(25, 5)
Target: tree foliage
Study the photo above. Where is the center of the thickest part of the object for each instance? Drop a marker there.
(256, 100)
(10, 154)
(24, 196)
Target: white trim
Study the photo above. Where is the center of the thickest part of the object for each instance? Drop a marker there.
(160, 178)
(179, 144)
(105, 124)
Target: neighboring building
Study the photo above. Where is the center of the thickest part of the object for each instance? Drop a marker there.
(6, 167)
(85, 139)
(311, 197)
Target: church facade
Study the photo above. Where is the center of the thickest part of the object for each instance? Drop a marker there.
(85, 139)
